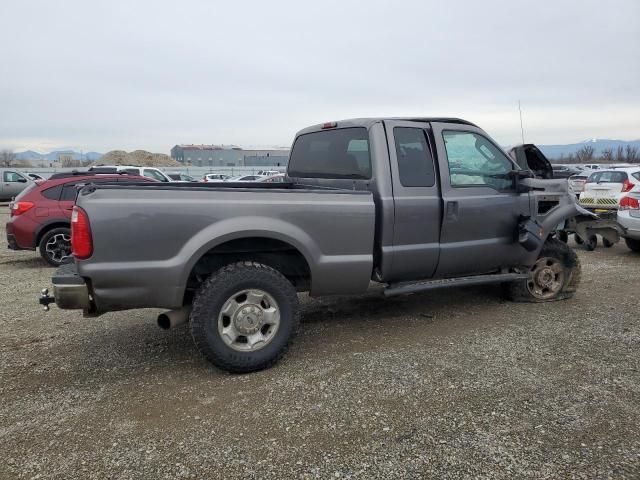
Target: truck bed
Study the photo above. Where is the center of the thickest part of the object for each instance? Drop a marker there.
(148, 237)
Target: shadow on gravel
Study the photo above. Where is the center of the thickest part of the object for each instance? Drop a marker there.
(27, 262)
(375, 307)
(133, 343)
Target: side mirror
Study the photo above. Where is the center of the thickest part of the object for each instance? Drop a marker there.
(518, 176)
(22, 180)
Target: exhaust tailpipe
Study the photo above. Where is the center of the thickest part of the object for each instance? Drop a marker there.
(173, 318)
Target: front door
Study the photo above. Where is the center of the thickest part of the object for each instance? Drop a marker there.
(481, 205)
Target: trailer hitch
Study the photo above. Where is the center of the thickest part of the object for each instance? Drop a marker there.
(45, 299)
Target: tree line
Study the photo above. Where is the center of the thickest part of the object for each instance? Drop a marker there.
(9, 159)
(587, 154)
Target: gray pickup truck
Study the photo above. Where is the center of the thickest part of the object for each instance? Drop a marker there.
(410, 203)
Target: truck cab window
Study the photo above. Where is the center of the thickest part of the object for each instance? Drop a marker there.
(153, 174)
(339, 153)
(475, 161)
(415, 163)
(13, 177)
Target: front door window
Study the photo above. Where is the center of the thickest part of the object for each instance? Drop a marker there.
(475, 161)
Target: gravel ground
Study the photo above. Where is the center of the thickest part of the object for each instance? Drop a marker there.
(452, 383)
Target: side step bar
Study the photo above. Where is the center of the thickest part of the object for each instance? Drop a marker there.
(404, 288)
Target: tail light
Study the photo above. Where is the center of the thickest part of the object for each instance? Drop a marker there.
(629, 203)
(627, 185)
(18, 208)
(81, 240)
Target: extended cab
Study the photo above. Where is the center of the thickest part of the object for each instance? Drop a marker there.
(411, 203)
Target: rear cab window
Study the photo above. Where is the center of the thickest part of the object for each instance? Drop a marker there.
(337, 153)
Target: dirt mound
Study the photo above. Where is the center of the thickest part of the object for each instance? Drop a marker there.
(140, 158)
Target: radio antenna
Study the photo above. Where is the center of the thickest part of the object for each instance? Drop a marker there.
(521, 127)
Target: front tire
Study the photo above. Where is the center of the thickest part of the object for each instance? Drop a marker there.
(633, 244)
(55, 246)
(554, 276)
(244, 317)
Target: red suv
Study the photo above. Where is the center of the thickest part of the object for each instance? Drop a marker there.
(41, 213)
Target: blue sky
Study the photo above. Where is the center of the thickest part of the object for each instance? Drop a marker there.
(102, 75)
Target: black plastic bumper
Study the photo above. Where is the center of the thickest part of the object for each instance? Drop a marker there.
(12, 243)
(70, 290)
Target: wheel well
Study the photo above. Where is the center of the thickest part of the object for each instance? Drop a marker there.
(49, 227)
(277, 254)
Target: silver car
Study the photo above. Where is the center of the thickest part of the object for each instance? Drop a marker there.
(12, 182)
(629, 218)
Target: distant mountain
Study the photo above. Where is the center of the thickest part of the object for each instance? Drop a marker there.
(55, 155)
(556, 151)
(29, 155)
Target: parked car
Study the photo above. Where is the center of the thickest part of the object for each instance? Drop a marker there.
(565, 171)
(268, 173)
(180, 177)
(278, 178)
(629, 218)
(215, 177)
(13, 182)
(577, 182)
(246, 178)
(605, 188)
(149, 172)
(232, 257)
(41, 214)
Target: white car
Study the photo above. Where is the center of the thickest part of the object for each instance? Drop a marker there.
(246, 178)
(268, 173)
(629, 218)
(149, 172)
(279, 178)
(577, 182)
(605, 188)
(215, 177)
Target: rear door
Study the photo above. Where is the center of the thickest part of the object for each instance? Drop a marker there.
(481, 207)
(417, 203)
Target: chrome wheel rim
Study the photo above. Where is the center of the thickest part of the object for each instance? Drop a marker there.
(546, 278)
(58, 247)
(249, 320)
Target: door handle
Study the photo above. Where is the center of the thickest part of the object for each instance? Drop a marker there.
(452, 210)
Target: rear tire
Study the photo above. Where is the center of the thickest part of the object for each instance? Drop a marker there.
(55, 246)
(607, 243)
(633, 244)
(591, 243)
(244, 317)
(555, 275)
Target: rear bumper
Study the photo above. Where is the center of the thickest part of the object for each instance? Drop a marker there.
(19, 234)
(70, 290)
(12, 243)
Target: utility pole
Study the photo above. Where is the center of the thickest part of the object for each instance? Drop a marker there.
(521, 127)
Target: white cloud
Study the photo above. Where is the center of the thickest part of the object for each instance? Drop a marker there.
(148, 74)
